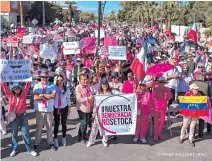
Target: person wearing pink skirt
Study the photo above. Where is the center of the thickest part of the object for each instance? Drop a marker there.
(144, 102)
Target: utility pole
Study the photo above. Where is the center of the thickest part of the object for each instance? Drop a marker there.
(44, 14)
(99, 23)
(21, 14)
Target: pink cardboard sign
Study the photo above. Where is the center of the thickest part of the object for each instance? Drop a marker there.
(89, 45)
(110, 41)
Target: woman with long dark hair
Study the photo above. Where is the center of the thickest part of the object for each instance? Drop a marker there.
(104, 89)
(62, 103)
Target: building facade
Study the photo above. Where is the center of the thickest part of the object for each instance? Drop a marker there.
(10, 11)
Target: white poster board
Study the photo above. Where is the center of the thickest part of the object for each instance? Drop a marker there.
(70, 48)
(28, 39)
(117, 53)
(15, 70)
(117, 114)
(102, 33)
(13, 44)
(48, 51)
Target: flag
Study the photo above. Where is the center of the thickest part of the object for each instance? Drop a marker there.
(194, 106)
(192, 34)
(137, 65)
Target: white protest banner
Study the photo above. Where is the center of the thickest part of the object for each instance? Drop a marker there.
(102, 33)
(179, 38)
(117, 53)
(116, 114)
(71, 48)
(48, 51)
(15, 70)
(28, 39)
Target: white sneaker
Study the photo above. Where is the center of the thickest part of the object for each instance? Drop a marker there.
(4, 132)
(64, 142)
(33, 153)
(135, 140)
(90, 143)
(13, 153)
(105, 144)
(143, 141)
(56, 143)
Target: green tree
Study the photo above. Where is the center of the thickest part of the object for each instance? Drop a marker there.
(52, 10)
(87, 16)
(112, 16)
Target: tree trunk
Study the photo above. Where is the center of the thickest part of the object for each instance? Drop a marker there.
(21, 14)
(142, 20)
(169, 20)
(70, 15)
(152, 19)
(148, 18)
(161, 24)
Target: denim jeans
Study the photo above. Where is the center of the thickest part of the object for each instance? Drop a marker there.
(84, 120)
(22, 121)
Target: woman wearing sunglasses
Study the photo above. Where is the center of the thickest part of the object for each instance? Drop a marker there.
(200, 70)
(17, 104)
(62, 102)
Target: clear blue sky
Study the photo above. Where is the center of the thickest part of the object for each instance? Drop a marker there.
(92, 6)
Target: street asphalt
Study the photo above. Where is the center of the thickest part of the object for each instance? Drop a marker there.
(121, 150)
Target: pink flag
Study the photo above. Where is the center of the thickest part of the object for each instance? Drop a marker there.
(21, 30)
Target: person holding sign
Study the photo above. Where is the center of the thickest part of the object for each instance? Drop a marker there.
(104, 89)
(17, 115)
(44, 94)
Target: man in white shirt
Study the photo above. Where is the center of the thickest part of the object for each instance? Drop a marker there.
(44, 94)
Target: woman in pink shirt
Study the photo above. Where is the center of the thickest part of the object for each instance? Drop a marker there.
(160, 97)
(144, 99)
(17, 103)
(129, 85)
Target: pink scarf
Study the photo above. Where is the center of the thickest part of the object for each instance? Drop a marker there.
(44, 101)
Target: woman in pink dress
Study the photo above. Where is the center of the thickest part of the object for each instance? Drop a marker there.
(160, 97)
(129, 85)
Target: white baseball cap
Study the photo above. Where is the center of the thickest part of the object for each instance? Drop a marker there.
(193, 86)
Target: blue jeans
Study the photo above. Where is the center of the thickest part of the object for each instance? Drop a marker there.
(84, 119)
(22, 120)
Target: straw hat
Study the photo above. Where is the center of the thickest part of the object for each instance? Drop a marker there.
(193, 86)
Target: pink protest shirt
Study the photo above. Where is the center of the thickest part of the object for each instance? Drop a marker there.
(17, 103)
(160, 97)
(128, 87)
(144, 101)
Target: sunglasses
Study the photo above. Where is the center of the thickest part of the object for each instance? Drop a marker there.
(60, 80)
(200, 67)
(44, 77)
(17, 88)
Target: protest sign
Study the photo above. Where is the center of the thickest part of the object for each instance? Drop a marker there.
(117, 52)
(15, 70)
(89, 45)
(21, 30)
(104, 50)
(3, 55)
(116, 114)
(12, 43)
(58, 38)
(102, 33)
(71, 48)
(179, 38)
(28, 39)
(48, 51)
(110, 41)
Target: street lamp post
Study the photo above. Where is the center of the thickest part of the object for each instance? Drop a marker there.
(99, 23)
(44, 14)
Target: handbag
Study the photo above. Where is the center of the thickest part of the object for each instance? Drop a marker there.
(11, 116)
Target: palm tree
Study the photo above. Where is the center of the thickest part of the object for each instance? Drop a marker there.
(70, 3)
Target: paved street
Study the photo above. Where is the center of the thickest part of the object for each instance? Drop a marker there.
(122, 150)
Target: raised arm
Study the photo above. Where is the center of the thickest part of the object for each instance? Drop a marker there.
(6, 89)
